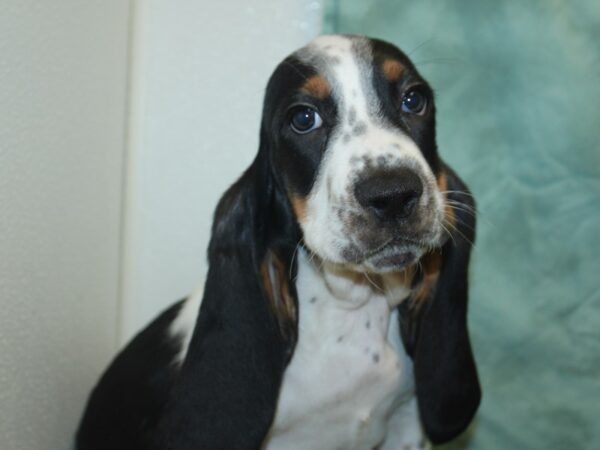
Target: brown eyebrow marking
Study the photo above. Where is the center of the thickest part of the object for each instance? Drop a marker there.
(392, 69)
(317, 86)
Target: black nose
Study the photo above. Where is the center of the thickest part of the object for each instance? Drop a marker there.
(390, 195)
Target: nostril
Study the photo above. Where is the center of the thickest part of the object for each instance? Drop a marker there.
(410, 199)
(380, 203)
(397, 205)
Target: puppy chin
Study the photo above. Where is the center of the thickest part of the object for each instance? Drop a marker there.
(393, 259)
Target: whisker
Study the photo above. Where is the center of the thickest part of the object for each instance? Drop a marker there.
(372, 282)
(293, 256)
(448, 232)
(455, 229)
(460, 221)
(458, 206)
(461, 205)
(470, 212)
(321, 262)
(422, 44)
(465, 193)
(439, 60)
(452, 200)
(295, 69)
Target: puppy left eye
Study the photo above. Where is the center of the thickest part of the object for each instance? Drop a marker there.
(414, 101)
(304, 119)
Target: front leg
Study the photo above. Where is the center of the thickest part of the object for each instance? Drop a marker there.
(404, 429)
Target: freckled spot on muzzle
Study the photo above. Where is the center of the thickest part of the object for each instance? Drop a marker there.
(384, 160)
(351, 253)
(351, 116)
(359, 129)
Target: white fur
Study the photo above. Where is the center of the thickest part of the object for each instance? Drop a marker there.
(349, 384)
(183, 326)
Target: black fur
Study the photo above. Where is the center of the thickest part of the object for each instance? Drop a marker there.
(437, 338)
(125, 406)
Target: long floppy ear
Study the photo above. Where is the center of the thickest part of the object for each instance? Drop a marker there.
(226, 394)
(435, 330)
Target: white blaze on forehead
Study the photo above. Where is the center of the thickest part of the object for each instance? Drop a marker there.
(348, 74)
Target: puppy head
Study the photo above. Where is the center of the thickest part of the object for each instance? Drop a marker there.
(351, 130)
(348, 150)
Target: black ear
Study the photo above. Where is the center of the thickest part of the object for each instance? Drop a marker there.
(226, 394)
(448, 391)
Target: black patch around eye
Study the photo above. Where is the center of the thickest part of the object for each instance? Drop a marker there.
(296, 156)
(304, 119)
(420, 127)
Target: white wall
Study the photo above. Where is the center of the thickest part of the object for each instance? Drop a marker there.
(62, 121)
(198, 78)
(120, 126)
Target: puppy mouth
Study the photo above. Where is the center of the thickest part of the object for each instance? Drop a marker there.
(394, 254)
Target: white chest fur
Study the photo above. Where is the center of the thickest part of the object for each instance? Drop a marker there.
(349, 381)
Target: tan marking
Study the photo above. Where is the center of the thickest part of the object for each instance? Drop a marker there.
(317, 86)
(275, 282)
(449, 217)
(442, 182)
(392, 69)
(299, 207)
(406, 275)
(431, 264)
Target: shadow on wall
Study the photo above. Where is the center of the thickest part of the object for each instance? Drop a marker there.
(517, 86)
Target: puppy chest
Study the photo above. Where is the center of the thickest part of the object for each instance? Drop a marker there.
(345, 378)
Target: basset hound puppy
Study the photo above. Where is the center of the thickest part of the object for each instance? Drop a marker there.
(334, 314)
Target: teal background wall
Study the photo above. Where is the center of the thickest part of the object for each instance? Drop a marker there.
(518, 96)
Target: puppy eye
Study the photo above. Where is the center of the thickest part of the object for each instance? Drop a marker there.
(304, 119)
(414, 101)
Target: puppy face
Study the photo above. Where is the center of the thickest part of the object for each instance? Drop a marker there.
(351, 128)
